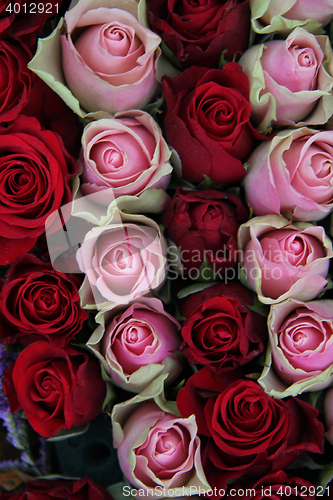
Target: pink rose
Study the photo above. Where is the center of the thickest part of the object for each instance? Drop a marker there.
(301, 345)
(159, 449)
(121, 261)
(284, 15)
(292, 173)
(126, 153)
(288, 81)
(282, 260)
(112, 53)
(137, 344)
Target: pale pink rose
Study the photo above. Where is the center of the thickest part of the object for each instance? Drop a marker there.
(288, 81)
(282, 260)
(292, 173)
(121, 261)
(113, 54)
(137, 344)
(160, 449)
(126, 153)
(301, 338)
(328, 408)
(301, 10)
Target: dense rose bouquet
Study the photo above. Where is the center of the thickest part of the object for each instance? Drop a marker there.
(166, 191)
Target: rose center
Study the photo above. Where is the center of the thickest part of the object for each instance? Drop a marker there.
(116, 41)
(168, 442)
(113, 159)
(305, 57)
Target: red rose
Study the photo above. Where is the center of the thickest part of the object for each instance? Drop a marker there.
(35, 170)
(16, 79)
(39, 303)
(208, 122)
(248, 432)
(58, 489)
(220, 330)
(198, 32)
(22, 19)
(57, 388)
(276, 486)
(204, 225)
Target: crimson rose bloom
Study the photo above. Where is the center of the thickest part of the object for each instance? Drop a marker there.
(248, 432)
(56, 489)
(39, 303)
(16, 79)
(208, 122)
(276, 486)
(35, 170)
(204, 224)
(57, 388)
(198, 32)
(220, 330)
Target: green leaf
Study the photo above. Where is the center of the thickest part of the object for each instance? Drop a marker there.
(196, 287)
(207, 183)
(170, 55)
(222, 60)
(259, 307)
(206, 273)
(74, 431)
(325, 476)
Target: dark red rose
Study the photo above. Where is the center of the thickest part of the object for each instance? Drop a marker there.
(35, 171)
(276, 486)
(39, 303)
(220, 330)
(53, 114)
(208, 122)
(58, 489)
(248, 432)
(204, 225)
(198, 31)
(16, 79)
(21, 19)
(57, 388)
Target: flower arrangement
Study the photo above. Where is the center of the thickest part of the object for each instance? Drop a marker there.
(166, 307)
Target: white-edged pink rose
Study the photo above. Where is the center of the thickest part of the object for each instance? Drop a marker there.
(292, 173)
(283, 260)
(122, 261)
(301, 346)
(284, 15)
(328, 409)
(159, 449)
(137, 344)
(112, 53)
(126, 153)
(289, 80)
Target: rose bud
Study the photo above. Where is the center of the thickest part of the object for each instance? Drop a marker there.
(159, 449)
(292, 173)
(284, 15)
(112, 53)
(203, 225)
(122, 261)
(301, 348)
(283, 260)
(289, 83)
(220, 329)
(197, 34)
(137, 343)
(126, 153)
(57, 388)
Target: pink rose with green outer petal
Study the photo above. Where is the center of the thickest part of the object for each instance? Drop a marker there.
(301, 345)
(138, 343)
(292, 173)
(126, 153)
(112, 53)
(283, 260)
(290, 80)
(160, 449)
